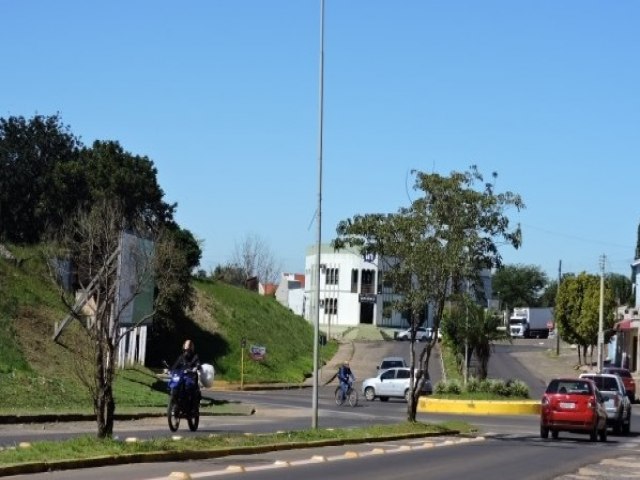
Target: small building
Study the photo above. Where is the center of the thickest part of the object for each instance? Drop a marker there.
(627, 340)
(290, 292)
(352, 290)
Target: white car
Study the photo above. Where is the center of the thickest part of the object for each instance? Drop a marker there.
(392, 383)
(422, 334)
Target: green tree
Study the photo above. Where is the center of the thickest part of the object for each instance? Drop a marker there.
(578, 308)
(39, 183)
(467, 324)
(519, 285)
(434, 246)
(621, 287)
(113, 173)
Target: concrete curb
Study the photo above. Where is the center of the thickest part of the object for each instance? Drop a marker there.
(41, 467)
(479, 407)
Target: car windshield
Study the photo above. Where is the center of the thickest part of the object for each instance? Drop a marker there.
(579, 387)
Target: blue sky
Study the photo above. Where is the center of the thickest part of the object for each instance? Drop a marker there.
(223, 96)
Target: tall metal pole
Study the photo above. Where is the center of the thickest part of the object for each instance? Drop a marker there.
(316, 330)
(601, 315)
(555, 320)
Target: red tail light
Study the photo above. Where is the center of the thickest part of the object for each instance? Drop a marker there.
(592, 403)
(545, 401)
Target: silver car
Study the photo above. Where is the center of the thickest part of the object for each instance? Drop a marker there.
(392, 383)
(617, 402)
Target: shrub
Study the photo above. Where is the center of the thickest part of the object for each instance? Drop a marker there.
(449, 387)
(517, 388)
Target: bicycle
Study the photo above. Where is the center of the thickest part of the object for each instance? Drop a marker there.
(351, 396)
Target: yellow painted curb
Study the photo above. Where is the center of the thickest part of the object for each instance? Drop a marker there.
(479, 407)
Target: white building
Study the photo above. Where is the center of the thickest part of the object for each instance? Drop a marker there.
(290, 292)
(352, 290)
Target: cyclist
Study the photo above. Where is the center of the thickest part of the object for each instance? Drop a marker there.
(346, 378)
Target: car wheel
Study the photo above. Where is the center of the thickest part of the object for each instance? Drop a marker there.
(384, 399)
(626, 428)
(602, 435)
(555, 434)
(407, 394)
(369, 394)
(617, 427)
(593, 434)
(544, 432)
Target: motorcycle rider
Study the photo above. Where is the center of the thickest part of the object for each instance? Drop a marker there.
(189, 362)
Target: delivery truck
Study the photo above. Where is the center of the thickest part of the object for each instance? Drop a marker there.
(528, 322)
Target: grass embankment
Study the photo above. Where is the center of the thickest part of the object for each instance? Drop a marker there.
(38, 375)
(88, 447)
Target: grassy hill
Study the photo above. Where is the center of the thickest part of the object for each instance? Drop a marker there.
(37, 373)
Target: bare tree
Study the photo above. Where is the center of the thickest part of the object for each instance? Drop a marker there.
(254, 257)
(93, 243)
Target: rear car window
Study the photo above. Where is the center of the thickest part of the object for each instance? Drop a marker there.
(622, 373)
(579, 387)
(608, 384)
(403, 374)
(391, 364)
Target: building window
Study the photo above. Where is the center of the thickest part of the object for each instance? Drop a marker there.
(331, 306)
(387, 309)
(331, 276)
(354, 281)
(368, 281)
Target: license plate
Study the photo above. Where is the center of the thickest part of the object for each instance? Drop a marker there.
(567, 405)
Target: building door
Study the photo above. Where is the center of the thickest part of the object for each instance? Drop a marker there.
(366, 313)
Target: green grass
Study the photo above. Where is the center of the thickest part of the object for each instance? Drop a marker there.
(38, 374)
(475, 396)
(450, 365)
(90, 447)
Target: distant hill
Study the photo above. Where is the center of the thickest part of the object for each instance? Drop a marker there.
(37, 372)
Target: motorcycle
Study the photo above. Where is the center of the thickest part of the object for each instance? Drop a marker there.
(184, 399)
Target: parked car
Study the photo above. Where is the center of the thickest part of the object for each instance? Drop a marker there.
(392, 362)
(573, 405)
(393, 383)
(422, 334)
(617, 403)
(627, 379)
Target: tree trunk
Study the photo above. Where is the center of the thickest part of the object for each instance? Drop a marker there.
(579, 356)
(104, 402)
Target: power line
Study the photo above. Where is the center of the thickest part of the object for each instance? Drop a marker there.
(577, 237)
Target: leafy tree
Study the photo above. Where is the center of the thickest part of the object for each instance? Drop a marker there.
(465, 323)
(577, 311)
(231, 274)
(621, 288)
(39, 181)
(519, 285)
(445, 236)
(132, 179)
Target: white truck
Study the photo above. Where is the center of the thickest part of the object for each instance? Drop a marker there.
(528, 322)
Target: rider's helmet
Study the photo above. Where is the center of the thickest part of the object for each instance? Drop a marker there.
(188, 346)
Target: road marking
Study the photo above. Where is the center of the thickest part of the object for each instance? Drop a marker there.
(347, 455)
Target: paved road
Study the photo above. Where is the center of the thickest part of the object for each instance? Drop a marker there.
(512, 448)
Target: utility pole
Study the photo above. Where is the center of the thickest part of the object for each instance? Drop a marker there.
(316, 329)
(555, 320)
(601, 315)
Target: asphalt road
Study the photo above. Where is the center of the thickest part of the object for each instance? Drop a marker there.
(511, 449)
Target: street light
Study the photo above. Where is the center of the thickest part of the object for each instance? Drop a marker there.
(316, 329)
